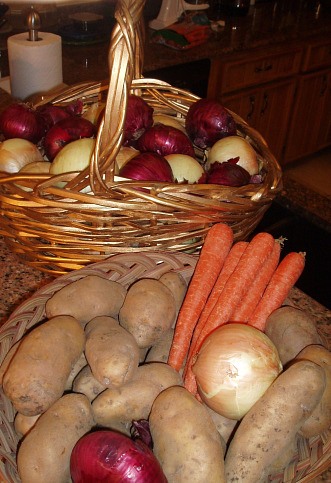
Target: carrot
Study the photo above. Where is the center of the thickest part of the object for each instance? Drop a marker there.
(249, 265)
(283, 279)
(213, 253)
(253, 295)
(230, 264)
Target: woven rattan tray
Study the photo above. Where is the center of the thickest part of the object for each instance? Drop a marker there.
(313, 456)
(56, 230)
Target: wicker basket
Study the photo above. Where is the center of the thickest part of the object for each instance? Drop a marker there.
(313, 456)
(57, 230)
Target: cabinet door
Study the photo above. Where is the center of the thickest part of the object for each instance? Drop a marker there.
(268, 110)
(310, 128)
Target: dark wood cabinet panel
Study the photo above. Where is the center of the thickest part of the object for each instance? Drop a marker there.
(310, 127)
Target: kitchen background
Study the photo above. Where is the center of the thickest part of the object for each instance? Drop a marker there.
(302, 214)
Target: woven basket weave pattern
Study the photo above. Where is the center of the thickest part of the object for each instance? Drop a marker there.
(314, 455)
(58, 229)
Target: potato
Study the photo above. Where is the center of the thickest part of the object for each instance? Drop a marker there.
(320, 420)
(86, 383)
(186, 441)
(44, 454)
(7, 359)
(23, 424)
(111, 351)
(38, 372)
(177, 285)
(81, 362)
(272, 423)
(87, 298)
(134, 400)
(291, 329)
(285, 457)
(159, 352)
(226, 427)
(148, 312)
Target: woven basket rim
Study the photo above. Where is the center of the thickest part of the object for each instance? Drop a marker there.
(56, 229)
(313, 455)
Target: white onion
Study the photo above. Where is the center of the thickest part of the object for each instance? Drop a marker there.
(235, 366)
(16, 153)
(185, 168)
(123, 156)
(232, 147)
(36, 167)
(75, 156)
(168, 121)
(93, 113)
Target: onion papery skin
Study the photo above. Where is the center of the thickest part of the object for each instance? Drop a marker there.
(21, 121)
(65, 131)
(165, 140)
(147, 167)
(107, 456)
(139, 117)
(207, 121)
(234, 367)
(228, 174)
(51, 114)
(234, 147)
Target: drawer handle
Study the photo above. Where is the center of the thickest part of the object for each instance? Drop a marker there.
(265, 104)
(263, 69)
(252, 101)
(324, 87)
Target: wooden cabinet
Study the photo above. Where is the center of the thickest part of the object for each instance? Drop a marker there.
(284, 93)
(310, 126)
(267, 109)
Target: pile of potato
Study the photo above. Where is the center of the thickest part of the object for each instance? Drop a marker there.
(99, 361)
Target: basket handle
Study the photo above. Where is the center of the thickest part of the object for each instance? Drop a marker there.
(125, 60)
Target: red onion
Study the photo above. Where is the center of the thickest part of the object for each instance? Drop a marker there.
(147, 167)
(65, 131)
(228, 173)
(52, 114)
(165, 140)
(20, 121)
(139, 117)
(75, 108)
(207, 121)
(109, 456)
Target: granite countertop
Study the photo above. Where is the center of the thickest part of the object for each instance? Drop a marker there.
(266, 24)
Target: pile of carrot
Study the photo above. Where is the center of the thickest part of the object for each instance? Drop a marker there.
(232, 282)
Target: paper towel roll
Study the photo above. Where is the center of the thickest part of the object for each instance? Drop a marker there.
(34, 66)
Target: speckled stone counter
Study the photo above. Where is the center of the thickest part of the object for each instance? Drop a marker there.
(19, 282)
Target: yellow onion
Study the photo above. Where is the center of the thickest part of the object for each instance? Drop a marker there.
(234, 147)
(16, 153)
(235, 366)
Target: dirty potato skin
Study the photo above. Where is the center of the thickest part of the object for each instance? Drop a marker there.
(271, 424)
(86, 383)
(111, 351)
(177, 285)
(44, 455)
(159, 352)
(186, 441)
(148, 312)
(86, 298)
(320, 420)
(133, 400)
(291, 329)
(38, 372)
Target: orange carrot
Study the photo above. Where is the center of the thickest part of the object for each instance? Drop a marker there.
(253, 295)
(283, 279)
(249, 265)
(213, 253)
(230, 264)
